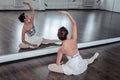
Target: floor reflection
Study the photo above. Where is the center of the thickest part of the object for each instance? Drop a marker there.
(92, 25)
(53, 22)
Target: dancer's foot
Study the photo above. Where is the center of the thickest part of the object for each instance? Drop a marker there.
(91, 60)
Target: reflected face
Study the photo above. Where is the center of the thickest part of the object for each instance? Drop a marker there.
(27, 19)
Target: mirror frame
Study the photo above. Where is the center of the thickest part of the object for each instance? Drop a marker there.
(51, 50)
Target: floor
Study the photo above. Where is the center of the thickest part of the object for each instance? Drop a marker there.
(105, 67)
(92, 25)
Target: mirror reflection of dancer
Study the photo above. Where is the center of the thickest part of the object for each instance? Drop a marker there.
(75, 64)
(29, 38)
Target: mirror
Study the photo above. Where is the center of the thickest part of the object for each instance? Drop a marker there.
(95, 26)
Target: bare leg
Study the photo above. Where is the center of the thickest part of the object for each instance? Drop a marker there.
(47, 41)
(22, 45)
(55, 68)
(91, 60)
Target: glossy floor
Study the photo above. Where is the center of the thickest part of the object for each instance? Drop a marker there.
(92, 25)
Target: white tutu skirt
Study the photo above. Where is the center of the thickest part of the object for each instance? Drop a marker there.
(33, 40)
(75, 66)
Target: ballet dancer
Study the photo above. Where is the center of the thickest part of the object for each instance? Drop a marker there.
(75, 64)
(29, 38)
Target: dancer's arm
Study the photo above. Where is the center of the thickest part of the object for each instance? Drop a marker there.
(59, 56)
(74, 26)
(32, 11)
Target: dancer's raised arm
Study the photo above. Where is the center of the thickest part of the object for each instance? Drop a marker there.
(74, 26)
(32, 11)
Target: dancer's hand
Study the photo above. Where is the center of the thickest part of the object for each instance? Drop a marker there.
(26, 3)
(63, 12)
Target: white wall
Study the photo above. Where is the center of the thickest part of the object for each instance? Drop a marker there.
(71, 4)
(52, 4)
(111, 5)
(107, 4)
(5, 4)
(90, 4)
(74, 4)
(18, 4)
(56, 4)
(116, 6)
(41, 5)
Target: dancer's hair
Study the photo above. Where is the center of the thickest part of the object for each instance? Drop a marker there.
(22, 17)
(62, 33)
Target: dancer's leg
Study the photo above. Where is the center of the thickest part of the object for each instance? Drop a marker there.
(47, 41)
(55, 68)
(91, 60)
(22, 45)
